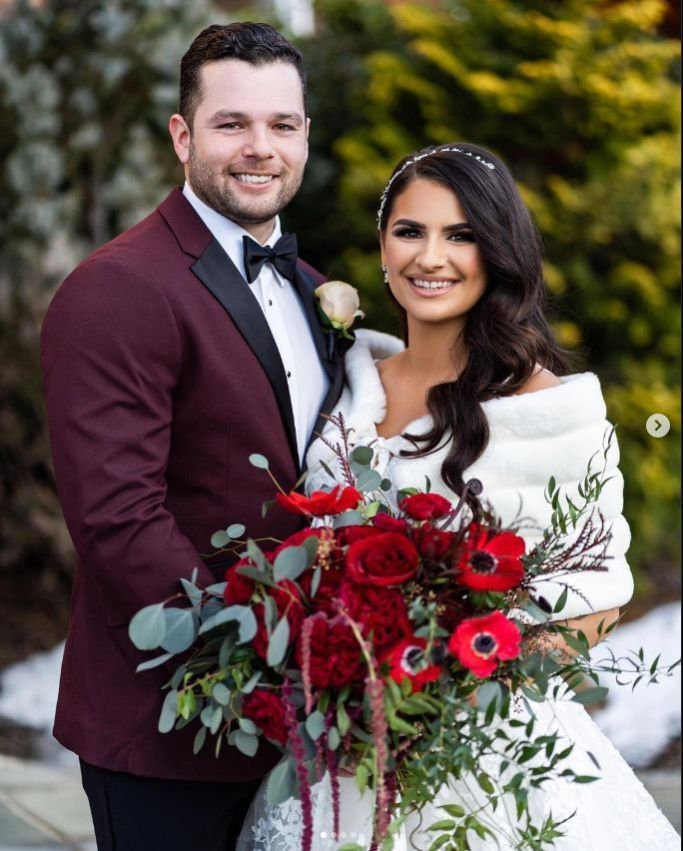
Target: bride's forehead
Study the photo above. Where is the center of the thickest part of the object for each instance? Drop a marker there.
(427, 200)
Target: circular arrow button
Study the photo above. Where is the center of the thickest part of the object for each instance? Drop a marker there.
(658, 425)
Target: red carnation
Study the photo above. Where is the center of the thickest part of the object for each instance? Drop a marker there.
(336, 658)
(266, 710)
(381, 613)
(384, 559)
(406, 660)
(321, 503)
(432, 543)
(328, 589)
(480, 643)
(348, 535)
(386, 523)
(490, 563)
(288, 602)
(426, 506)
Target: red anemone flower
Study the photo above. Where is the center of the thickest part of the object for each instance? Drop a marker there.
(406, 660)
(490, 562)
(321, 503)
(480, 643)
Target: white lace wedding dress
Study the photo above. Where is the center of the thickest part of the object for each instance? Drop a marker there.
(532, 436)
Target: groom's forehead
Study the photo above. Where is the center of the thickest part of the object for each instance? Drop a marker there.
(232, 85)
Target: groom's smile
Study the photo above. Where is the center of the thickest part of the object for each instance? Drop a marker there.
(245, 150)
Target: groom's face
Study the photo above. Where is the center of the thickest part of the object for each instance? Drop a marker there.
(248, 144)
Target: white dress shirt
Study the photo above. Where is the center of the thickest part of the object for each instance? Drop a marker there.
(308, 382)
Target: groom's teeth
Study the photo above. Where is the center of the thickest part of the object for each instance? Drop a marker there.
(432, 285)
(254, 178)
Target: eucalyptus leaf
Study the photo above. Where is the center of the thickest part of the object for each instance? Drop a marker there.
(259, 461)
(348, 518)
(279, 641)
(181, 630)
(217, 589)
(362, 455)
(248, 726)
(199, 740)
(251, 683)
(315, 581)
(148, 627)
(290, 563)
(282, 782)
(168, 712)
(591, 695)
(369, 480)
(194, 594)
(236, 530)
(242, 615)
(221, 694)
(245, 743)
(220, 539)
(153, 663)
(315, 725)
(333, 739)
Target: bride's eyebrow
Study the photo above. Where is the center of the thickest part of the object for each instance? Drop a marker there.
(411, 223)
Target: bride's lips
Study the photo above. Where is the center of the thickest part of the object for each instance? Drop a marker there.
(432, 287)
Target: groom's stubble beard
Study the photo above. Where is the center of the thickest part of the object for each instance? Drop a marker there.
(215, 191)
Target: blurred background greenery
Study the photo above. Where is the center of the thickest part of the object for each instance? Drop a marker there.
(580, 97)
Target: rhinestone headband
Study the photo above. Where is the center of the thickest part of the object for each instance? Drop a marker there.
(419, 157)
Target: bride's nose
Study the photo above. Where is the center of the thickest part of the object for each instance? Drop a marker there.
(431, 256)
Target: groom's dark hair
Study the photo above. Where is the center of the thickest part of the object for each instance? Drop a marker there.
(257, 44)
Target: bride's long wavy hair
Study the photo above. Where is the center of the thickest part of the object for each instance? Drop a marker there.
(507, 332)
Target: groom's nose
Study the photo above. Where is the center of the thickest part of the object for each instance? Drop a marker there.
(258, 143)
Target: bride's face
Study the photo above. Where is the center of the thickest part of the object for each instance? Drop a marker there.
(434, 265)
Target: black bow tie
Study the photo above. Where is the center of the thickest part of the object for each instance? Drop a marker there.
(282, 255)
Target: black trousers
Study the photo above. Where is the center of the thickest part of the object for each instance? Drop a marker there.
(133, 813)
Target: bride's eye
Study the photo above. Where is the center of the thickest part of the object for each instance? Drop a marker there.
(407, 232)
(462, 236)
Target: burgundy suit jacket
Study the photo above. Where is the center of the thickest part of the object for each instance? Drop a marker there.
(161, 378)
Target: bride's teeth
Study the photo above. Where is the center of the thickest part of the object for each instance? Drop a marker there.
(432, 285)
(254, 178)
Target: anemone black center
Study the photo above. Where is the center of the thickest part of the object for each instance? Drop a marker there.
(484, 643)
(482, 562)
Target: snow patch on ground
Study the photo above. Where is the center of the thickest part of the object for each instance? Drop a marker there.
(640, 723)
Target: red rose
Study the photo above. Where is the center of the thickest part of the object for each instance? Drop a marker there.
(295, 540)
(384, 559)
(321, 503)
(348, 535)
(432, 543)
(265, 709)
(480, 643)
(238, 589)
(288, 602)
(328, 589)
(490, 563)
(426, 506)
(336, 657)
(406, 660)
(387, 523)
(381, 613)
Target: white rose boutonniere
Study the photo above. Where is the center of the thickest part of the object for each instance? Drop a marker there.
(338, 305)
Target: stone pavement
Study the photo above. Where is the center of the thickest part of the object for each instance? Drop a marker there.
(45, 809)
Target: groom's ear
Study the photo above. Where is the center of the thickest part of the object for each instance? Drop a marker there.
(180, 133)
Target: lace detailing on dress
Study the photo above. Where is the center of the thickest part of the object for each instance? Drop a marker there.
(615, 811)
(278, 828)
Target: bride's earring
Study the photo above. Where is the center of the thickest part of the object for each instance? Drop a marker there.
(385, 272)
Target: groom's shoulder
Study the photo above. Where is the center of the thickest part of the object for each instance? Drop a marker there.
(146, 256)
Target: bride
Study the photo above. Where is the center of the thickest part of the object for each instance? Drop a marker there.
(481, 390)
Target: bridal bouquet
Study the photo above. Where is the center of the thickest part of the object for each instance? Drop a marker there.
(389, 640)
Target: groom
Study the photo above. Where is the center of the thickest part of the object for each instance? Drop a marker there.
(169, 356)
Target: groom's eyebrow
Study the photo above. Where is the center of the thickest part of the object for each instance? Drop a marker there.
(223, 115)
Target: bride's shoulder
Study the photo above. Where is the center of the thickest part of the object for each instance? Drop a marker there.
(542, 379)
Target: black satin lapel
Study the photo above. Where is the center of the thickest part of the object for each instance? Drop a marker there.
(220, 276)
(304, 285)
